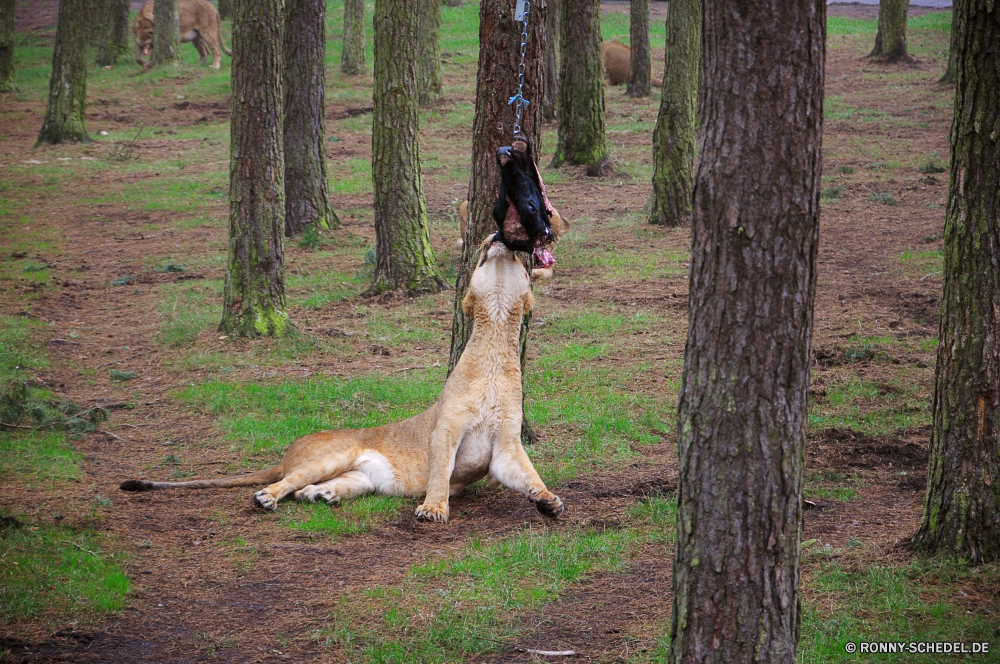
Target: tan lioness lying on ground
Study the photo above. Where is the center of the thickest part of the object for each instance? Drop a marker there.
(616, 58)
(472, 431)
(199, 24)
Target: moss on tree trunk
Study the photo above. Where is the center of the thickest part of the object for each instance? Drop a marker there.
(550, 47)
(255, 277)
(115, 38)
(890, 39)
(581, 85)
(962, 507)
(166, 34)
(64, 118)
(675, 132)
(640, 67)
(352, 58)
(429, 56)
(307, 200)
(743, 407)
(7, 46)
(405, 259)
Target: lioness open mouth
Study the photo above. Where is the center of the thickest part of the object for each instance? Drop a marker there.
(147, 49)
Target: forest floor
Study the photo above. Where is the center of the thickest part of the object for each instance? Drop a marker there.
(111, 273)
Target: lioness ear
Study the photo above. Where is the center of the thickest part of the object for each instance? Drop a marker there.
(468, 302)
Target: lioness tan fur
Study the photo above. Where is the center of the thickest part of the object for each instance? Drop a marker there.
(472, 431)
(559, 227)
(199, 24)
(615, 58)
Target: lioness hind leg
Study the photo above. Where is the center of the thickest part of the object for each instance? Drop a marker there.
(350, 484)
(268, 497)
(199, 45)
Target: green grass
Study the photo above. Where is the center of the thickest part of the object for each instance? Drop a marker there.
(839, 25)
(19, 353)
(871, 408)
(188, 310)
(351, 518)
(38, 458)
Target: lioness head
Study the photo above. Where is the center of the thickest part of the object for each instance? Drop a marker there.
(143, 31)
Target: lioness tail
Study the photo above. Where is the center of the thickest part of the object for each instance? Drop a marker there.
(222, 44)
(260, 477)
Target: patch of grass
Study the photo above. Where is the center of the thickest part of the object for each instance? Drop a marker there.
(38, 457)
(351, 518)
(322, 287)
(846, 170)
(832, 192)
(928, 344)
(866, 348)
(189, 310)
(19, 353)
(53, 575)
(658, 512)
(883, 198)
(870, 408)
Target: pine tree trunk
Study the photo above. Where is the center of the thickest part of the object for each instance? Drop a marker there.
(962, 508)
(405, 259)
(948, 78)
(255, 277)
(352, 60)
(581, 85)
(493, 127)
(550, 91)
(675, 132)
(742, 413)
(429, 57)
(890, 39)
(640, 67)
(115, 42)
(307, 200)
(64, 119)
(166, 34)
(225, 9)
(7, 46)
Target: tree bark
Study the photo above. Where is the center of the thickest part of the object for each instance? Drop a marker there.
(890, 39)
(307, 199)
(581, 85)
(225, 9)
(675, 132)
(742, 412)
(429, 56)
(255, 277)
(550, 35)
(7, 46)
(640, 66)
(352, 58)
(115, 40)
(957, 30)
(64, 119)
(962, 507)
(166, 34)
(405, 259)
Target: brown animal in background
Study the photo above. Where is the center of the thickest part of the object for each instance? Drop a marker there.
(199, 24)
(615, 58)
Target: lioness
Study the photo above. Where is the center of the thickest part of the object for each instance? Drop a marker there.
(472, 431)
(616, 58)
(199, 24)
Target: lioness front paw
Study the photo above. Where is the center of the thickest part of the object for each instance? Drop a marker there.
(437, 513)
(548, 504)
(264, 500)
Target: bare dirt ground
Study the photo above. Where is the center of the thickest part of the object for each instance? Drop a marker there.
(192, 601)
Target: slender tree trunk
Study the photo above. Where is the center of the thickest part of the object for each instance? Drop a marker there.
(429, 56)
(890, 39)
(7, 46)
(957, 30)
(962, 508)
(166, 34)
(493, 126)
(307, 200)
(581, 85)
(742, 412)
(352, 60)
(255, 277)
(405, 259)
(550, 91)
(225, 9)
(640, 66)
(115, 43)
(675, 132)
(64, 119)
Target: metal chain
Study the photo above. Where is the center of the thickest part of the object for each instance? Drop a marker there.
(519, 98)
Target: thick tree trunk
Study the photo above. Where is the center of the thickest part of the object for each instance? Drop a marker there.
(957, 29)
(493, 126)
(640, 66)
(255, 277)
(742, 412)
(962, 508)
(64, 119)
(581, 85)
(429, 57)
(352, 58)
(890, 39)
(166, 34)
(550, 34)
(405, 259)
(7, 46)
(674, 135)
(225, 9)
(115, 43)
(307, 200)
